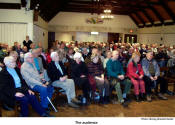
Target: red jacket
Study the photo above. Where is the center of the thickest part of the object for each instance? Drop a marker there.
(131, 70)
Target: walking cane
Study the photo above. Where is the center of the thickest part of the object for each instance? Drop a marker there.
(52, 104)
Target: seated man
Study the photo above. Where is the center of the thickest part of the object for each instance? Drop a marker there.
(152, 76)
(58, 76)
(14, 87)
(116, 74)
(35, 80)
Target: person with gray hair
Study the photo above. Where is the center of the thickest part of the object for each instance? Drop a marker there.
(37, 82)
(59, 78)
(13, 87)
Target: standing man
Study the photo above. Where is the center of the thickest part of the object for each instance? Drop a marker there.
(27, 43)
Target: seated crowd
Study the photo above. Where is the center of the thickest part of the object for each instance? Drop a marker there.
(96, 68)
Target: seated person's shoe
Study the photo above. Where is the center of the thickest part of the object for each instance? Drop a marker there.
(124, 104)
(76, 101)
(169, 92)
(128, 100)
(101, 101)
(142, 97)
(137, 98)
(148, 97)
(162, 97)
(47, 110)
(106, 99)
(6, 107)
(73, 105)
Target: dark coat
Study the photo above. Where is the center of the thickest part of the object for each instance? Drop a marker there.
(78, 69)
(54, 73)
(8, 89)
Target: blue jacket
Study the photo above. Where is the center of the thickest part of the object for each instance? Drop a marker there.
(145, 66)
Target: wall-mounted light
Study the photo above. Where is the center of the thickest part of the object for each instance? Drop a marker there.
(94, 33)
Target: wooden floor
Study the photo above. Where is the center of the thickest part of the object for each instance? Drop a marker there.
(156, 108)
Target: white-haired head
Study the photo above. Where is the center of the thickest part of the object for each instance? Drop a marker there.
(9, 61)
(78, 56)
(54, 56)
(27, 56)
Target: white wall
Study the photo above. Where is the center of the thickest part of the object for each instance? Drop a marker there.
(154, 34)
(40, 35)
(20, 16)
(71, 21)
(81, 36)
(39, 28)
(86, 36)
(64, 36)
(11, 32)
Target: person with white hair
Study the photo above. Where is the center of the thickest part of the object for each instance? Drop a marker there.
(14, 87)
(35, 81)
(58, 75)
(79, 73)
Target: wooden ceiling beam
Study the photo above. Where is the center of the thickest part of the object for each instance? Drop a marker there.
(155, 12)
(134, 20)
(168, 10)
(10, 6)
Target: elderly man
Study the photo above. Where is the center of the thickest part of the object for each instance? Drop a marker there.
(14, 87)
(58, 76)
(35, 80)
(152, 77)
(116, 74)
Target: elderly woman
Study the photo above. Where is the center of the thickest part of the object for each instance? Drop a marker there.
(135, 73)
(58, 76)
(96, 70)
(108, 56)
(14, 87)
(14, 54)
(79, 73)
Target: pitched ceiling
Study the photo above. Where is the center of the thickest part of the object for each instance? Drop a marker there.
(144, 13)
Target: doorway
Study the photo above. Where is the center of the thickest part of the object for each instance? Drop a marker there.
(130, 38)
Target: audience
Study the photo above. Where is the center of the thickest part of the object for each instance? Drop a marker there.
(92, 66)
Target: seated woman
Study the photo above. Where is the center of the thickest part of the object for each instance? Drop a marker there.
(79, 73)
(14, 54)
(135, 73)
(96, 70)
(58, 76)
(14, 87)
